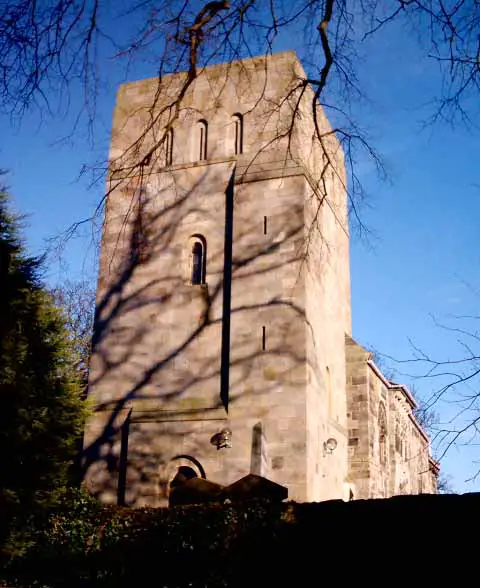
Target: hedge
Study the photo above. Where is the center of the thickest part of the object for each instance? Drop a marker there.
(81, 543)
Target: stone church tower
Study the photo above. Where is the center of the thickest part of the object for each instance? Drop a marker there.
(224, 290)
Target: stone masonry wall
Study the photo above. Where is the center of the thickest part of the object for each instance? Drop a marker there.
(359, 461)
(158, 373)
(411, 464)
(389, 452)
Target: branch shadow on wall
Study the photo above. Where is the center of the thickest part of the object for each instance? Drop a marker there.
(148, 365)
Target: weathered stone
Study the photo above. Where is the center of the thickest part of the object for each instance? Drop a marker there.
(277, 462)
(224, 293)
(389, 439)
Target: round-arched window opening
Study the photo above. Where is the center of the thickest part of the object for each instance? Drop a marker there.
(197, 257)
(198, 261)
(238, 129)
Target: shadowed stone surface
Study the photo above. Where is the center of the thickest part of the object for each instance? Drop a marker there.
(223, 302)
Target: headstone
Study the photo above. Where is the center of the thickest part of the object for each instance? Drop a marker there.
(195, 491)
(253, 486)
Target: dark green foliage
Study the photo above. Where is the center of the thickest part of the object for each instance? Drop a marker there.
(82, 543)
(41, 411)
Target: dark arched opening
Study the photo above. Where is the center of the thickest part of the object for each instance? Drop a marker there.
(198, 260)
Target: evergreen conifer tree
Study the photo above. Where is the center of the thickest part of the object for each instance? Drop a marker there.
(41, 408)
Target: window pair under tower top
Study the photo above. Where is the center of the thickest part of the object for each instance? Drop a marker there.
(203, 136)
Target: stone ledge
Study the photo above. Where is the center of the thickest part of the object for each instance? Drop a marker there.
(200, 414)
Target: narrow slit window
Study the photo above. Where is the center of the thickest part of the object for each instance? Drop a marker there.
(140, 240)
(198, 260)
(238, 122)
(169, 147)
(264, 225)
(203, 139)
(197, 255)
(264, 338)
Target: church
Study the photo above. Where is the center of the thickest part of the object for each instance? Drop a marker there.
(223, 343)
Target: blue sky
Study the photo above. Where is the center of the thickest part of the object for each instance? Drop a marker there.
(420, 259)
(420, 265)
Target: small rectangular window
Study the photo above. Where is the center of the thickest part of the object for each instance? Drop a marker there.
(264, 225)
(264, 338)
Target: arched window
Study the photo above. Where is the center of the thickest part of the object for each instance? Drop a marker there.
(198, 260)
(382, 433)
(238, 127)
(203, 139)
(169, 147)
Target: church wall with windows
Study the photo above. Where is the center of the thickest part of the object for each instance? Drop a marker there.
(389, 453)
(223, 299)
(219, 186)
